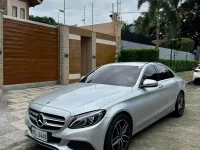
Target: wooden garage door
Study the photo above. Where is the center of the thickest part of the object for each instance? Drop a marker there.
(105, 54)
(30, 52)
(74, 58)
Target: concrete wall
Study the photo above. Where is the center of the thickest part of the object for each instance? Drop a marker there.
(19, 4)
(164, 52)
(107, 28)
(3, 6)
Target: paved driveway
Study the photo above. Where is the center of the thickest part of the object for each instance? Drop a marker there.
(167, 134)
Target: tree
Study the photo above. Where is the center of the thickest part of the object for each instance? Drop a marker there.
(144, 26)
(151, 16)
(46, 20)
(125, 27)
(160, 11)
(191, 20)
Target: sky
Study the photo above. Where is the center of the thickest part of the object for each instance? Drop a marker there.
(75, 10)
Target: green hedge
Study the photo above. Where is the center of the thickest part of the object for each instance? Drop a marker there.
(152, 55)
(180, 65)
(187, 45)
(140, 55)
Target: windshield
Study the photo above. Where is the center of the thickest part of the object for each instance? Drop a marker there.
(114, 75)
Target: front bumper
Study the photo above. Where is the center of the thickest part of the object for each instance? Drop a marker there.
(196, 76)
(94, 135)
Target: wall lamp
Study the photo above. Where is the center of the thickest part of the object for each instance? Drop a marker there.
(66, 55)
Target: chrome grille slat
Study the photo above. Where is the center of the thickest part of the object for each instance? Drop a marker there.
(53, 125)
(32, 117)
(33, 113)
(52, 119)
(52, 122)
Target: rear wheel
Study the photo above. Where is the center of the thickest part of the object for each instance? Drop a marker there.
(195, 82)
(119, 134)
(180, 105)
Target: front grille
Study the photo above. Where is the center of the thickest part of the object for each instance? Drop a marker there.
(78, 145)
(43, 144)
(52, 122)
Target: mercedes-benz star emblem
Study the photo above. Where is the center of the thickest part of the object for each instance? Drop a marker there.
(40, 120)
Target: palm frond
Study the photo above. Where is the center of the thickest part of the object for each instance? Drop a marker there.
(140, 2)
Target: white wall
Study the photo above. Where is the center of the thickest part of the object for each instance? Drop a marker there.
(19, 4)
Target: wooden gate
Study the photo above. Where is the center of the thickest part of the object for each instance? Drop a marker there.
(105, 49)
(30, 52)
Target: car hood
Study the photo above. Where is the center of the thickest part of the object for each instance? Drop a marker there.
(82, 97)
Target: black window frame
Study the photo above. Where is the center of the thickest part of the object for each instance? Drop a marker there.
(24, 11)
(14, 7)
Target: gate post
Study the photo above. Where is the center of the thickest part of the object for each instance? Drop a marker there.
(93, 50)
(1, 50)
(64, 54)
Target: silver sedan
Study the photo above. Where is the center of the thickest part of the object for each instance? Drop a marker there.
(106, 108)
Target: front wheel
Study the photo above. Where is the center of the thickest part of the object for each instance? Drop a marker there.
(180, 105)
(119, 134)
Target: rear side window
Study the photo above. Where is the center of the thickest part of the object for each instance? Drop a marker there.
(150, 73)
(162, 72)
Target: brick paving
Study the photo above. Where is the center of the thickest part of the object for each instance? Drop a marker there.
(13, 106)
(188, 78)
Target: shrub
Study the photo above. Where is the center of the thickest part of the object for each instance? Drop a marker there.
(187, 45)
(184, 44)
(180, 65)
(141, 55)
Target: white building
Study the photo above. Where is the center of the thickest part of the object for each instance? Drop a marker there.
(18, 8)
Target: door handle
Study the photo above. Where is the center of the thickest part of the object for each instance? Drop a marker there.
(160, 86)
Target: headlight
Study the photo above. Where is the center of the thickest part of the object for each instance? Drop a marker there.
(87, 119)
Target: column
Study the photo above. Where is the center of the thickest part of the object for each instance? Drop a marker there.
(64, 54)
(1, 50)
(93, 50)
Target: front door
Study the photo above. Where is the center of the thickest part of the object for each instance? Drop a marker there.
(149, 100)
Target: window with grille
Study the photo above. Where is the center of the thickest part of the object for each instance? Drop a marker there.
(22, 13)
(14, 11)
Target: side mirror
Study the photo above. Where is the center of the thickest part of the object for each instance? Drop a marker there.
(149, 83)
(82, 77)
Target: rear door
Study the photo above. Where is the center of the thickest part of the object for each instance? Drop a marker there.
(168, 88)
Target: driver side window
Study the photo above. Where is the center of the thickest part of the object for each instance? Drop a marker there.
(150, 73)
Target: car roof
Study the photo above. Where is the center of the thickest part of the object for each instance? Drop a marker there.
(131, 63)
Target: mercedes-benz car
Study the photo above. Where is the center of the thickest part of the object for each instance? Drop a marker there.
(106, 107)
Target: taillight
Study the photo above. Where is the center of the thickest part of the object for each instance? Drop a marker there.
(196, 70)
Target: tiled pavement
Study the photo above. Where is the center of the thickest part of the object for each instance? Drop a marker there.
(13, 105)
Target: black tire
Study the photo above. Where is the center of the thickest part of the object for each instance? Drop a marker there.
(195, 82)
(113, 137)
(180, 105)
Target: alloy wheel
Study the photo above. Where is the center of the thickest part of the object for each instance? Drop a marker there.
(121, 135)
(181, 104)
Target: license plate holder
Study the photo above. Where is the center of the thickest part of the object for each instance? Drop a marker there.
(39, 134)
